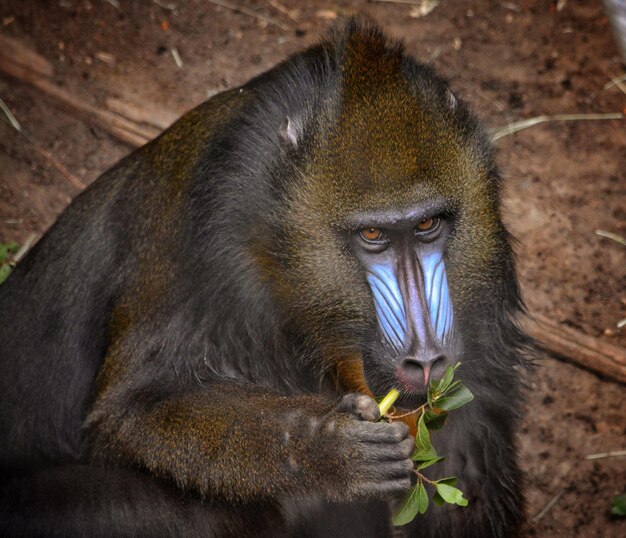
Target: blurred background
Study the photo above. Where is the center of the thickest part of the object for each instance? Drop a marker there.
(83, 82)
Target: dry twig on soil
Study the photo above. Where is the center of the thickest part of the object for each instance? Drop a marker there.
(548, 506)
(511, 128)
(250, 13)
(585, 350)
(71, 178)
(603, 455)
(610, 235)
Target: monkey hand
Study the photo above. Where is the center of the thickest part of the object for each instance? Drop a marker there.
(259, 446)
(375, 456)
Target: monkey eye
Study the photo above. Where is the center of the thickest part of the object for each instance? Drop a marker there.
(372, 235)
(427, 226)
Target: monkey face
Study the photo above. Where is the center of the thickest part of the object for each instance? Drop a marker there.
(389, 259)
(402, 257)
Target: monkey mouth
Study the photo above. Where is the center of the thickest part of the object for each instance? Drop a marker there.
(413, 380)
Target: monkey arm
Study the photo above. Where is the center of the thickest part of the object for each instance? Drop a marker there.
(241, 443)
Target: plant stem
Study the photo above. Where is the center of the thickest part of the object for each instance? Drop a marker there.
(422, 477)
(420, 409)
(388, 401)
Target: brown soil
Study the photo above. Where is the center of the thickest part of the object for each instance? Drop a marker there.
(512, 60)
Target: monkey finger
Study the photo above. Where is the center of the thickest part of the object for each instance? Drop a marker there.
(392, 452)
(360, 405)
(387, 488)
(381, 432)
(388, 470)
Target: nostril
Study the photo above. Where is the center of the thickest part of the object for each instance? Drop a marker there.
(411, 363)
(438, 366)
(418, 362)
(426, 369)
(438, 363)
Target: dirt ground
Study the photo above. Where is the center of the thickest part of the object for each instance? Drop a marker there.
(511, 60)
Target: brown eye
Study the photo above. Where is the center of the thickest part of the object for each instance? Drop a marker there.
(372, 234)
(427, 225)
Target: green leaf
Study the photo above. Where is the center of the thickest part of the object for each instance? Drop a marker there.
(422, 438)
(435, 421)
(619, 506)
(438, 500)
(453, 386)
(438, 388)
(5, 248)
(422, 498)
(432, 396)
(5, 270)
(450, 494)
(447, 378)
(449, 480)
(455, 398)
(424, 450)
(427, 463)
(424, 455)
(415, 502)
(409, 507)
(433, 393)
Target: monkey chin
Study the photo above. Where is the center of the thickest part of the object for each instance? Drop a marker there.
(408, 401)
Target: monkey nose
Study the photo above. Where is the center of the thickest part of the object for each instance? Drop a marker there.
(417, 371)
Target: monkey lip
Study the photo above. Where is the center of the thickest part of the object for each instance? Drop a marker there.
(413, 381)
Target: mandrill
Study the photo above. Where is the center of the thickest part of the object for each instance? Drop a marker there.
(194, 347)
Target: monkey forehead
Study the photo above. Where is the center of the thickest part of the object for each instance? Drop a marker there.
(395, 123)
(375, 180)
(393, 144)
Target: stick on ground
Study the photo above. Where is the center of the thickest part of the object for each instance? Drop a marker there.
(582, 349)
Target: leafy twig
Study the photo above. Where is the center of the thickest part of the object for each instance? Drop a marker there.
(444, 395)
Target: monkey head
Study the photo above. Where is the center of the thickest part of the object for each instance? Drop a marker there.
(392, 241)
